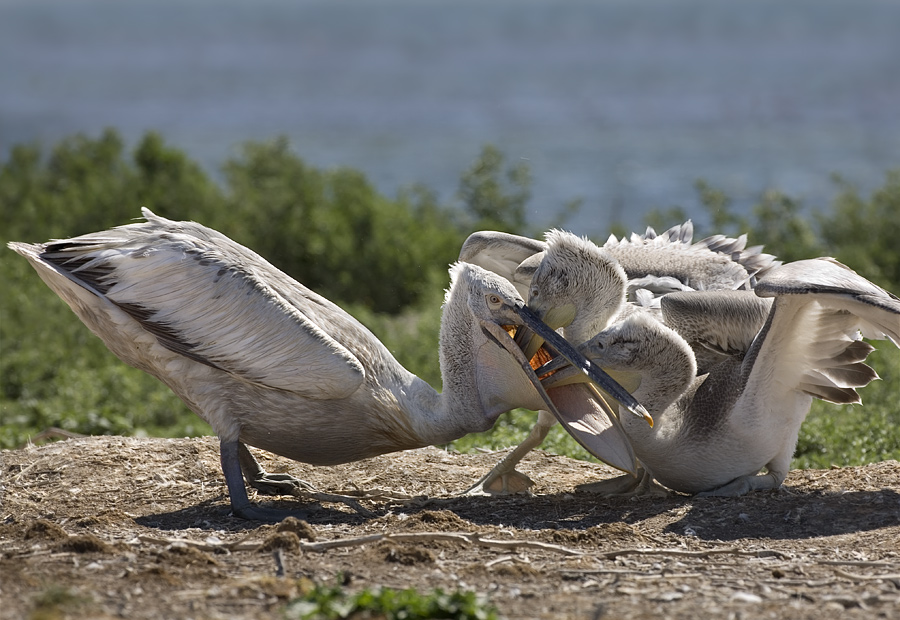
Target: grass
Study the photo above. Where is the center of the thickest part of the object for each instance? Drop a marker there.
(332, 602)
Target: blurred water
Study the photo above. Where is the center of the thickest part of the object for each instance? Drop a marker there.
(623, 104)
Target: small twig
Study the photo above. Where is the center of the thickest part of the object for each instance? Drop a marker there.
(319, 496)
(505, 558)
(691, 554)
(457, 537)
(637, 574)
(862, 563)
(341, 542)
(375, 494)
(278, 556)
(857, 577)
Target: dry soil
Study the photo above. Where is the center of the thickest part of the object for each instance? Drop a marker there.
(113, 527)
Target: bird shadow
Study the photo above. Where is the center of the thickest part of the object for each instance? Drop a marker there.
(215, 514)
(788, 514)
(779, 514)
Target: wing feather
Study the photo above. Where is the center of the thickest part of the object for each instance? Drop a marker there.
(505, 254)
(203, 296)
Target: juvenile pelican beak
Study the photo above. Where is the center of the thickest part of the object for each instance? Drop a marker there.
(560, 372)
(580, 409)
(576, 360)
(554, 318)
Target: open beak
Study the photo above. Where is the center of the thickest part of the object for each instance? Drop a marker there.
(531, 342)
(580, 408)
(576, 360)
(559, 372)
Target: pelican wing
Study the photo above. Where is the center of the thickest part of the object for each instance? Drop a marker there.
(838, 286)
(725, 322)
(210, 299)
(509, 256)
(669, 261)
(812, 341)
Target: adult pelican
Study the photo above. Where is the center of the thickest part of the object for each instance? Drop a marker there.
(572, 283)
(715, 432)
(269, 363)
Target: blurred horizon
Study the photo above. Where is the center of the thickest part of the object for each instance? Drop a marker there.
(623, 105)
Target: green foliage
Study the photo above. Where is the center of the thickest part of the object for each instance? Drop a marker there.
(56, 602)
(327, 603)
(865, 234)
(856, 434)
(493, 204)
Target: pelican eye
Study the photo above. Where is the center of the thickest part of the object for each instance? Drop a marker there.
(494, 301)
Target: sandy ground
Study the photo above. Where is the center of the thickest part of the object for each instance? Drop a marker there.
(112, 527)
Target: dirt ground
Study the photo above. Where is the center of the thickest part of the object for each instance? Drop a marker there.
(113, 527)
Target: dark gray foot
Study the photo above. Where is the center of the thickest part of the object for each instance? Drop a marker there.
(626, 486)
(230, 454)
(266, 483)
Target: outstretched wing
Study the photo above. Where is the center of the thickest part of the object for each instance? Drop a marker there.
(812, 340)
(212, 300)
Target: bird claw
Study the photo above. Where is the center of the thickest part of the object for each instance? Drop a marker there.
(626, 486)
(501, 482)
(280, 484)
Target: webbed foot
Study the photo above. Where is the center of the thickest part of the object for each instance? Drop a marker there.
(503, 483)
(626, 486)
(279, 484)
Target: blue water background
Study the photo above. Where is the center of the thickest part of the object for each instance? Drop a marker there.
(622, 103)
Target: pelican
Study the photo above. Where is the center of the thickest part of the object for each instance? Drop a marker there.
(271, 364)
(656, 263)
(714, 433)
(572, 283)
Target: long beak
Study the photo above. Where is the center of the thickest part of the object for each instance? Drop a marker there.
(591, 371)
(588, 419)
(558, 372)
(530, 342)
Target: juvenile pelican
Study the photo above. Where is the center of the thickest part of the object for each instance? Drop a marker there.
(572, 283)
(714, 433)
(657, 263)
(271, 364)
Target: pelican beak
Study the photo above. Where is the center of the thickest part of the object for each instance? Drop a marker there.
(580, 408)
(554, 318)
(575, 360)
(559, 372)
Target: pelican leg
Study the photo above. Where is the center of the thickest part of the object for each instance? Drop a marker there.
(626, 486)
(503, 479)
(229, 454)
(772, 479)
(263, 481)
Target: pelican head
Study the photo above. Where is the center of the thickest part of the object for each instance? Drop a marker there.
(577, 286)
(500, 311)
